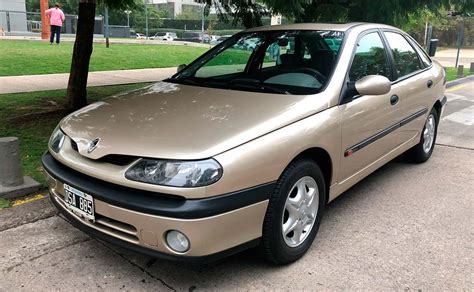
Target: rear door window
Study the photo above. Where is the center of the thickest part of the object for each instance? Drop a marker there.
(406, 58)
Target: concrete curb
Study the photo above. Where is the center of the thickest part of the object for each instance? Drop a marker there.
(460, 81)
(26, 213)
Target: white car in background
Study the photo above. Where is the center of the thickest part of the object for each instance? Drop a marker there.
(140, 36)
(219, 40)
(164, 36)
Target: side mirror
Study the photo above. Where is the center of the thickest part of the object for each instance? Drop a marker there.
(181, 67)
(432, 46)
(373, 85)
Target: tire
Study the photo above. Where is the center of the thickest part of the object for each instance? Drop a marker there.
(422, 151)
(283, 249)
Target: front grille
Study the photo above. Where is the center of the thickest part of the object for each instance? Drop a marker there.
(121, 160)
(122, 229)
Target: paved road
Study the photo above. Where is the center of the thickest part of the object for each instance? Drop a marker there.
(447, 57)
(404, 227)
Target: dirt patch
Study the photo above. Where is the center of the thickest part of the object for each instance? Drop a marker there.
(46, 110)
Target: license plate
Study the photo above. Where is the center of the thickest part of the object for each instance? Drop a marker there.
(79, 202)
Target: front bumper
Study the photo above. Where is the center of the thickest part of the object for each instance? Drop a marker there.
(139, 220)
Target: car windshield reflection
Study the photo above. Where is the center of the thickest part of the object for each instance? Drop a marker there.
(285, 62)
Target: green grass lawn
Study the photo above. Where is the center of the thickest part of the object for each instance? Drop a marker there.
(451, 73)
(32, 117)
(35, 57)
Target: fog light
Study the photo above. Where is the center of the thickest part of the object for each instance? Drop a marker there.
(177, 241)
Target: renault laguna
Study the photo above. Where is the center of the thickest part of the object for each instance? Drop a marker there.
(246, 145)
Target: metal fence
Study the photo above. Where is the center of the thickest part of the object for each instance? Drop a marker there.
(17, 22)
(460, 31)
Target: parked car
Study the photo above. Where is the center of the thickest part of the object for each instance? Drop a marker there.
(140, 36)
(196, 37)
(251, 44)
(219, 40)
(164, 36)
(229, 154)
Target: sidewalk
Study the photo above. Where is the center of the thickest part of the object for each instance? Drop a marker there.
(30, 83)
(447, 57)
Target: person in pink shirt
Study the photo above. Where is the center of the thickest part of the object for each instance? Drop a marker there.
(56, 19)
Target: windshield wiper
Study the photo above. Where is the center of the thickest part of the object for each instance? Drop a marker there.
(258, 85)
(187, 81)
(236, 83)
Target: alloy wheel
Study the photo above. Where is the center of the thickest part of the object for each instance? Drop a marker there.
(300, 211)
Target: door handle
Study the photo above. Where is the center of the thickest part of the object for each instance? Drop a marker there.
(429, 83)
(394, 99)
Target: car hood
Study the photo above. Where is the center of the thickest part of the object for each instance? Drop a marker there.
(172, 121)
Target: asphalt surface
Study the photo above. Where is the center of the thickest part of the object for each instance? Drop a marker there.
(404, 227)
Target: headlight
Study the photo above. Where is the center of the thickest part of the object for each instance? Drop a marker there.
(57, 139)
(175, 173)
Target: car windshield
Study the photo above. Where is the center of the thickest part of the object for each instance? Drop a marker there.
(286, 62)
(161, 34)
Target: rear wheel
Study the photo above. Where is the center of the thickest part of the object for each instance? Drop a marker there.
(294, 212)
(422, 152)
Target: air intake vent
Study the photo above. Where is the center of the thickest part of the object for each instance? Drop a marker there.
(121, 160)
(74, 145)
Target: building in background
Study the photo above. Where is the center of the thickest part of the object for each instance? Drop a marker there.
(276, 19)
(176, 7)
(13, 15)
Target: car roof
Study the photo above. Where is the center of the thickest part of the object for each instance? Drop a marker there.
(319, 26)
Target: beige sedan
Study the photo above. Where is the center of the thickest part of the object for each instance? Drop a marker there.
(246, 147)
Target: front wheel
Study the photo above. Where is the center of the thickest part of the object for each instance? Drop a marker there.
(294, 212)
(423, 150)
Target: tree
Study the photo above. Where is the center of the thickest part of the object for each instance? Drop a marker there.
(190, 13)
(155, 18)
(246, 12)
(249, 12)
(77, 85)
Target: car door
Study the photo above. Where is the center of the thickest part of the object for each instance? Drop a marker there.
(367, 120)
(413, 85)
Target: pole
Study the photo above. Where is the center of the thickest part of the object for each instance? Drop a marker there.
(426, 34)
(146, 21)
(44, 20)
(460, 41)
(429, 34)
(202, 23)
(107, 33)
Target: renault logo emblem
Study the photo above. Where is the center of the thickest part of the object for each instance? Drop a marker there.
(92, 145)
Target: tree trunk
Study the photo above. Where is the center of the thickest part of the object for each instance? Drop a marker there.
(77, 85)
